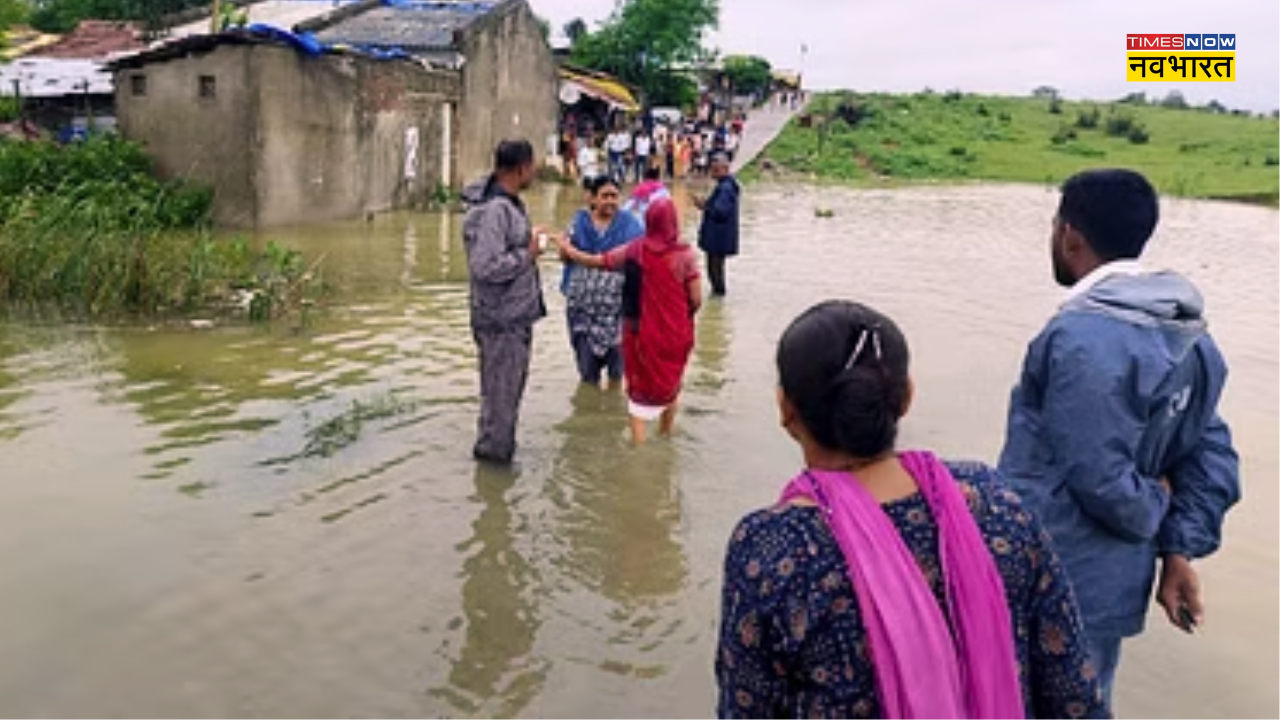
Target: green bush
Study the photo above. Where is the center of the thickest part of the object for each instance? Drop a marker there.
(1063, 136)
(1138, 135)
(1088, 119)
(86, 227)
(10, 109)
(1120, 125)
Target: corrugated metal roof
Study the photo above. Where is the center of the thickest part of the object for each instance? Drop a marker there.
(55, 77)
(406, 25)
(283, 14)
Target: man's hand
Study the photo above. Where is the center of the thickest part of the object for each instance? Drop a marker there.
(700, 202)
(535, 241)
(1179, 593)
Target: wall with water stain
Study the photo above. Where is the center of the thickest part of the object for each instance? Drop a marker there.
(509, 87)
(208, 137)
(286, 138)
(347, 136)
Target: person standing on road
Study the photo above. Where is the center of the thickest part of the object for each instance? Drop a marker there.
(643, 145)
(619, 146)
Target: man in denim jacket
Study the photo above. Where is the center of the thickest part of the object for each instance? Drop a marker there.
(1114, 436)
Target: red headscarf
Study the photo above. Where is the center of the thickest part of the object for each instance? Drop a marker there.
(656, 348)
(662, 226)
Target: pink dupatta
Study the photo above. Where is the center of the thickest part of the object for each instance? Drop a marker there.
(922, 671)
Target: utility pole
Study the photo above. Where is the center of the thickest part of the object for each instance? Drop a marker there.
(804, 50)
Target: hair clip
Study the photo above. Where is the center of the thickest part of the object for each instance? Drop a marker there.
(875, 341)
(857, 349)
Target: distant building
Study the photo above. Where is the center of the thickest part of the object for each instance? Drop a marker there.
(369, 107)
(63, 82)
(592, 101)
(506, 69)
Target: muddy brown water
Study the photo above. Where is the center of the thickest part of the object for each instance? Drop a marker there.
(248, 521)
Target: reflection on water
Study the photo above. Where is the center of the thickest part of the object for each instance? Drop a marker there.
(248, 521)
(502, 618)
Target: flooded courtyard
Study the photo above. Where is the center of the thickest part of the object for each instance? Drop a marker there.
(252, 521)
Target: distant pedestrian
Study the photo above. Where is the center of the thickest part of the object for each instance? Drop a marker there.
(718, 235)
(588, 160)
(506, 294)
(645, 194)
(731, 144)
(619, 146)
(643, 144)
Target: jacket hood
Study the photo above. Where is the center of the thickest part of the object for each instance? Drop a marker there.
(479, 192)
(484, 190)
(1164, 300)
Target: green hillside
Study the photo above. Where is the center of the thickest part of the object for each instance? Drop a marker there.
(880, 139)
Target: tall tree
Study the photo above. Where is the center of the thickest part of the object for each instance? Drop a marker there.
(12, 12)
(575, 30)
(60, 16)
(748, 74)
(645, 42)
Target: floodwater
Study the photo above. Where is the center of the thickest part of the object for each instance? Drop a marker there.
(285, 521)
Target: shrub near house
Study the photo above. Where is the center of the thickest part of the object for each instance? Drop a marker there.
(87, 229)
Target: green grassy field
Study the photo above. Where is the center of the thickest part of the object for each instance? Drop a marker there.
(889, 139)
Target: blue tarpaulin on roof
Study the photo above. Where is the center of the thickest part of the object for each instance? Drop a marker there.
(304, 43)
(465, 7)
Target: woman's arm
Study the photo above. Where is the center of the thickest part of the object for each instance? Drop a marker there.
(576, 256)
(694, 287)
(693, 284)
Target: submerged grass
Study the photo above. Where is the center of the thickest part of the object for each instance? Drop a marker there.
(866, 139)
(87, 229)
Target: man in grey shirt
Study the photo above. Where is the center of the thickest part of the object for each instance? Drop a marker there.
(506, 294)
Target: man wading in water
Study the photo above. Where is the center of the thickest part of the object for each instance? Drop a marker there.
(718, 235)
(506, 294)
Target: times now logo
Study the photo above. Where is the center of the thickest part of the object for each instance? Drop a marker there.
(1185, 41)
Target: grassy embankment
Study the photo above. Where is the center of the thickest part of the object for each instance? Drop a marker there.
(872, 140)
(88, 231)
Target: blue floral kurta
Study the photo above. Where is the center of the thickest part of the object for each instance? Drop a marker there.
(792, 643)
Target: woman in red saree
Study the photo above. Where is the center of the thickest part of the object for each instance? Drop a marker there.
(662, 293)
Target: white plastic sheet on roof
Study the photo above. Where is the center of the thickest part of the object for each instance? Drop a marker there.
(55, 77)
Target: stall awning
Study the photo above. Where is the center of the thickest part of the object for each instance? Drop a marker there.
(574, 84)
(16, 42)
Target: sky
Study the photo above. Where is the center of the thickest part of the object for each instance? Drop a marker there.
(1004, 47)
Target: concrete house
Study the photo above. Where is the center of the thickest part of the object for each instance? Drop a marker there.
(371, 107)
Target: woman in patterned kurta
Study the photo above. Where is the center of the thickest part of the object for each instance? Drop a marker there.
(593, 297)
(793, 642)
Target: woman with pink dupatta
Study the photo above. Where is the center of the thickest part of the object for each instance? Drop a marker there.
(662, 292)
(887, 583)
